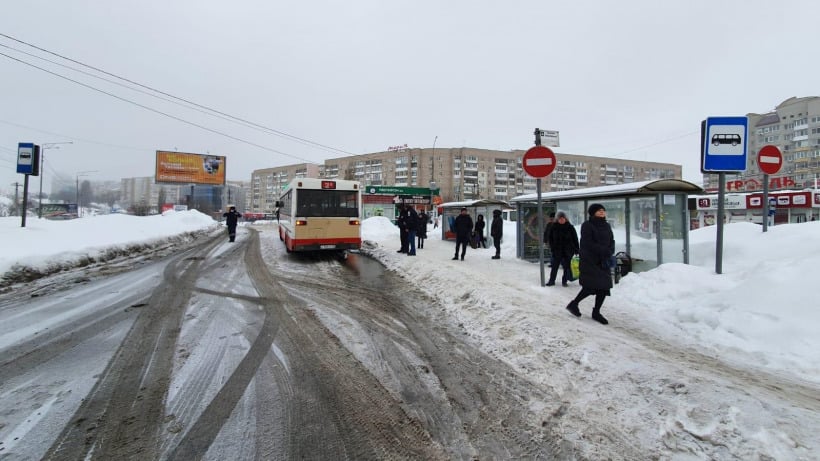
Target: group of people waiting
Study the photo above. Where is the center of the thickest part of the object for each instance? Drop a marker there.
(412, 226)
(465, 230)
(595, 249)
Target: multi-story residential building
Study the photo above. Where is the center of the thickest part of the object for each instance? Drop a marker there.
(145, 192)
(267, 183)
(462, 173)
(467, 173)
(794, 128)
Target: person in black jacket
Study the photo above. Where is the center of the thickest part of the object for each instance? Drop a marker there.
(462, 226)
(412, 222)
(496, 232)
(597, 250)
(480, 241)
(231, 219)
(421, 233)
(401, 221)
(563, 245)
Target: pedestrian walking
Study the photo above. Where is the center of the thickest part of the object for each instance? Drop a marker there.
(597, 250)
(462, 226)
(496, 232)
(479, 231)
(421, 232)
(231, 220)
(563, 246)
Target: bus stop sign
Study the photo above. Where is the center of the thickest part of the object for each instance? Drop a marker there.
(724, 144)
(539, 161)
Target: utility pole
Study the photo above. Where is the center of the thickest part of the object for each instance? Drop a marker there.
(48, 145)
(17, 186)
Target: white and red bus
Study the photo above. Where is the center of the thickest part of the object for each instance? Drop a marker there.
(320, 214)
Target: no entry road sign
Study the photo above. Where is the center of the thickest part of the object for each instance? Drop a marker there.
(769, 159)
(539, 162)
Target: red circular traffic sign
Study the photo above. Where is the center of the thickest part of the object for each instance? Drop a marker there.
(769, 159)
(539, 161)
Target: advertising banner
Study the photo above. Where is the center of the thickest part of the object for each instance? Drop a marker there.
(185, 168)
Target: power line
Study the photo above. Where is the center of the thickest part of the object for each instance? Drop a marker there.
(156, 111)
(221, 114)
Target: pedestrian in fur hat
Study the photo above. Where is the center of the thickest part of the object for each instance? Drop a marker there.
(597, 249)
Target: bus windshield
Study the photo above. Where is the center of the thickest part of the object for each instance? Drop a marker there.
(327, 203)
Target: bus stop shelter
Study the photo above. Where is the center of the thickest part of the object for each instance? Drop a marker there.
(649, 219)
(449, 210)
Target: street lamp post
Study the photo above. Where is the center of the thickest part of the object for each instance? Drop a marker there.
(48, 145)
(81, 173)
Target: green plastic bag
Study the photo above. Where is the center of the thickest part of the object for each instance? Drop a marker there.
(575, 266)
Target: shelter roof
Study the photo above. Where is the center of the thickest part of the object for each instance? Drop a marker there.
(475, 203)
(651, 187)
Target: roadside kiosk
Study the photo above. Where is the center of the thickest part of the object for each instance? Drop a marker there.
(649, 219)
(448, 212)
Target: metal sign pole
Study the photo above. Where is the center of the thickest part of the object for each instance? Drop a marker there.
(540, 232)
(540, 217)
(720, 217)
(766, 205)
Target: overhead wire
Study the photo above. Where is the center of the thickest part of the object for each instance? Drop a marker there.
(220, 114)
(156, 111)
(196, 106)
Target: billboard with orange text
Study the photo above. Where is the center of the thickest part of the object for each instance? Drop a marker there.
(180, 167)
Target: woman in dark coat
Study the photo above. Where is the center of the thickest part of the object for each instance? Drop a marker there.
(597, 249)
(421, 233)
(563, 242)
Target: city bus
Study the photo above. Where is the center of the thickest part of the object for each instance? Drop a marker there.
(320, 214)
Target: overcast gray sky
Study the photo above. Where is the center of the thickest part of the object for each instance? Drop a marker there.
(628, 79)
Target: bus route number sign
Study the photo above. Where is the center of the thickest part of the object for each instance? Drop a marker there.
(328, 184)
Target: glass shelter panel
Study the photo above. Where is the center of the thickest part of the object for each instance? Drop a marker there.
(616, 217)
(529, 223)
(643, 231)
(576, 212)
(673, 222)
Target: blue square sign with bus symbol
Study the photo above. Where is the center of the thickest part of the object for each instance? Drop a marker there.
(725, 144)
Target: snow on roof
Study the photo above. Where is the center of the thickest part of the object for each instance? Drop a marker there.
(475, 203)
(634, 188)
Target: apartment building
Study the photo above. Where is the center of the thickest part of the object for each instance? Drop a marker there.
(794, 127)
(267, 183)
(144, 191)
(461, 173)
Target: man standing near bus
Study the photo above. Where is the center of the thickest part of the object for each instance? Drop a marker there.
(231, 219)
